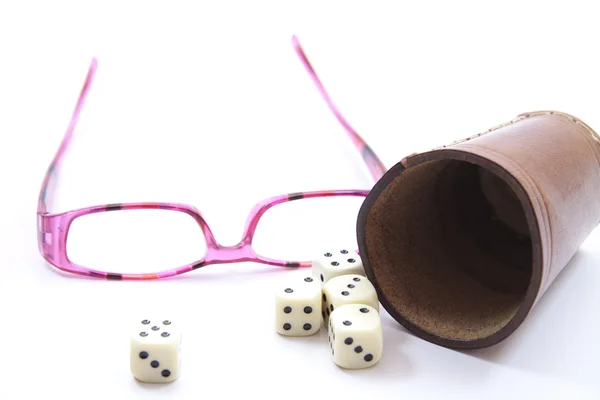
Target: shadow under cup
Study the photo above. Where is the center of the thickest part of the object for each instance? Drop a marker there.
(461, 242)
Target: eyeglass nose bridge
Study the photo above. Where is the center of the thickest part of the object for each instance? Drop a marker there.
(218, 254)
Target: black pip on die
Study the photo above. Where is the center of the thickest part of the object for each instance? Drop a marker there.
(298, 307)
(355, 336)
(155, 351)
(335, 263)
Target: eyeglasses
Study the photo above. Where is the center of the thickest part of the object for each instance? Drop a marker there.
(60, 235)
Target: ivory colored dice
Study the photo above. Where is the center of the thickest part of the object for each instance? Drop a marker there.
(337, 262)
(155, 351)
(355, 336)
(348, 289)
(298, 307)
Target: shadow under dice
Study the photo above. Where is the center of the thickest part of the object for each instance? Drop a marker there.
(335, 263)
(355, 336)
(298, 307)
(155, 351)
(347, 289)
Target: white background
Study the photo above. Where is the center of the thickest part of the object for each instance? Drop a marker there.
(208, 105)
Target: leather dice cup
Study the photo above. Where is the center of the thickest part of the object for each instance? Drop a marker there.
(462, 241)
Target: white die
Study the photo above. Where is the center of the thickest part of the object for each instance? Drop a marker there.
(355, 336)
(298, 307)
(155, 351)
(348, 289)
(335, 263)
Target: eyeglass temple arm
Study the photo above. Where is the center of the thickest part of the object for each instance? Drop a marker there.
(374, 164)
(47, 190)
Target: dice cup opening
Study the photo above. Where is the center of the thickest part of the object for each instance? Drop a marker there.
(452, 245)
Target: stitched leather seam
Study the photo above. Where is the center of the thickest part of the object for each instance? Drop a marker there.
(538, 196)
(523, 116)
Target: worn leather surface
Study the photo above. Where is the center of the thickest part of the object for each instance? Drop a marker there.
(551, 160)
(556, 158)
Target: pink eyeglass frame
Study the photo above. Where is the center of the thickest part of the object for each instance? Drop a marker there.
(53, 228)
